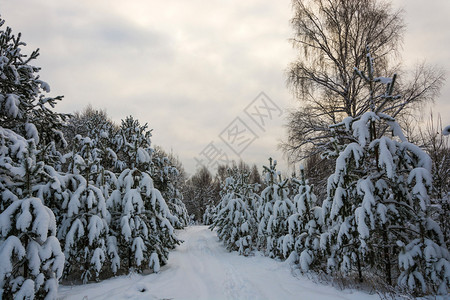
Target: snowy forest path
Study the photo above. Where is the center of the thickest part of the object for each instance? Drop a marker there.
(201, 268)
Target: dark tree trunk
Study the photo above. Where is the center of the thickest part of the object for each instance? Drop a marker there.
(387, 257)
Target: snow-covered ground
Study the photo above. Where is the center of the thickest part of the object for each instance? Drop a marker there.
(201, 268)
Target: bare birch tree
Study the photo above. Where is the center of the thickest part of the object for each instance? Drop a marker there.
(331, 37)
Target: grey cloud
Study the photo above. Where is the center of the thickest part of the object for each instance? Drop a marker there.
(188, 68)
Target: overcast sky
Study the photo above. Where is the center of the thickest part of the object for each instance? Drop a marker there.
(192, 69)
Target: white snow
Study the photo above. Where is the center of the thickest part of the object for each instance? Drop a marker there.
(138, 248)
(422, 179)
(44, 85)
(383, 80)
(143, 156)
(12, 105)
(11, 246)
(201, 268)
(26, 290)
(32, 132)
(387, 149)
(361, 127)
(96, 227)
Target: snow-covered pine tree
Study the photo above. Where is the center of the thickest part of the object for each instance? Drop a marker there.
(95, 124)
(377, 204)
(133, 145)
(24, 107)
(273, 213)
(104, 137)
(84, 227)
(235, 220)
(32, 260)
(107, 181)
(177, 208)
(210, 214)
(279, 242)
(142, 219)
(305, 225)
(166, 179)
(266, 205)
(91, 164)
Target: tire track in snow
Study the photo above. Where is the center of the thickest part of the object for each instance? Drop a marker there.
(238, 287)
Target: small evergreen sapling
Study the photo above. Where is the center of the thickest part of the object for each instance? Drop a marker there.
(305, 224)
(84, 228)
(235, 217)
(142, 221)
(167, 178)
(32, 257)
(273, 214)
